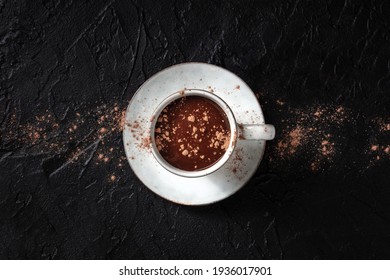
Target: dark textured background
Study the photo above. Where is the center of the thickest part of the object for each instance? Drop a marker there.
(67, 192)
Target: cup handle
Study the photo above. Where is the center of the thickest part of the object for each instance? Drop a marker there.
(256, 131)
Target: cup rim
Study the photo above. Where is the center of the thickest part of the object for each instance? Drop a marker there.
(232, 124)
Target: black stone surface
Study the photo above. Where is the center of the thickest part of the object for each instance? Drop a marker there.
(69, 68)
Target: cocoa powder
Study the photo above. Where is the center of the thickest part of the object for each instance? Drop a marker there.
(71, 138)
(307, 134)
(192, 133)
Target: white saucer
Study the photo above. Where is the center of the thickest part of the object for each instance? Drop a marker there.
(201, 190)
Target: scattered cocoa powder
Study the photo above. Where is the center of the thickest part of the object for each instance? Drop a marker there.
(145, 143)
(379, 145)
(210, 89)
(141, 136)
(327, 148)
(96, 127)
(237, 167)
(307, 134)
(289, 145)
(377, 154)
(381, 124)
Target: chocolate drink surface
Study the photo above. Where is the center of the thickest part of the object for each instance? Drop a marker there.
(192, 133)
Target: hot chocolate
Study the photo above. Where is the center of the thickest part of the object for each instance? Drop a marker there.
(192, 133)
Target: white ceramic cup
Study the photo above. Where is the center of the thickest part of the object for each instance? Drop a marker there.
(249, 132)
